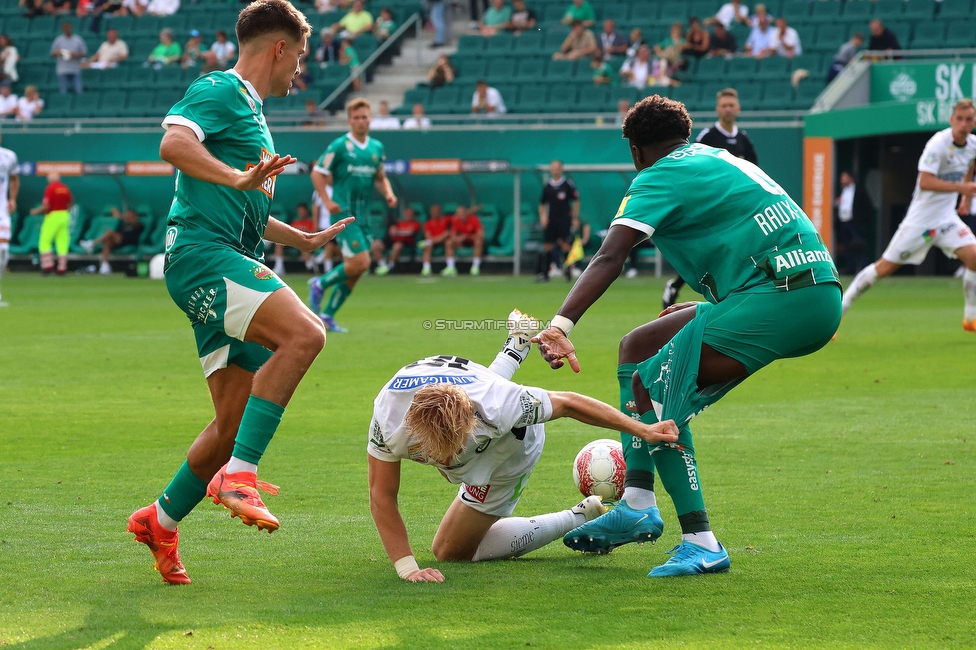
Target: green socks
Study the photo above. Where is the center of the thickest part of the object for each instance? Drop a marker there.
(258, 426)
(183, 493)
(640, 465)
(339, 295)
(336, 276)
(678, 469)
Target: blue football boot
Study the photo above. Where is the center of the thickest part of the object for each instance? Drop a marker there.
(620, 526)
(691, 559)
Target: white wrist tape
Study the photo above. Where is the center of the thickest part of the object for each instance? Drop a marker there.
(405, 566)
(562, 323)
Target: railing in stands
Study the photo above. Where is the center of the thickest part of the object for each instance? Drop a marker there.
(355, 73)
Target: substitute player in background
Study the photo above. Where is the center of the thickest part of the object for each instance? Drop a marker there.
(352, 165)
(437, 230)
(486, 433)
(724, 134)
(466, 231)
(255, 337)
(402, 234)
(9, 187)
(945, 170)
(772, 293)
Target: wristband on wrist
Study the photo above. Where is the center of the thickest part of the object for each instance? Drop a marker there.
(562, 323)
(405, 566)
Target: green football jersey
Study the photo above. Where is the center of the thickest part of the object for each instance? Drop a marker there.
(225, 113)
(724, 224)
(353, 166)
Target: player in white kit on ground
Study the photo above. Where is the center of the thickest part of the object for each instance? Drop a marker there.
(944, 170)
(486, 433)
(9, 187)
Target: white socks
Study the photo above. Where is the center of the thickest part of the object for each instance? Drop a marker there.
(4, 254)
(476, 262)
(968, 290)
(704, 539)
(862, 282)
(516, 536)
(164, 519)
(237, 465)
(639, 498)
(426, 266)
(450, 262)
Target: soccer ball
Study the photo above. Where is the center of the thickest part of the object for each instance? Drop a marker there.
(599, 469)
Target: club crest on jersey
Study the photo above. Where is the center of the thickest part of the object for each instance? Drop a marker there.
(623, 206)
(268, 186)
(262, 272)
(349, 146)
(477, 492)
(250, 102)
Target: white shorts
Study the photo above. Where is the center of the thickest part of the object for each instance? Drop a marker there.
(4, 226)
(911, 243)
(500, 496)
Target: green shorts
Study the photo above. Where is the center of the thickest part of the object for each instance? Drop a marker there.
(754, 328)
(353, 240)
(220, 290)
(55, 232)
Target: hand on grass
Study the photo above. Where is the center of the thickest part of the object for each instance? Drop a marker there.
(425, 575)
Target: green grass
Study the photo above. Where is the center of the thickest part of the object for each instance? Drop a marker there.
(841, 483)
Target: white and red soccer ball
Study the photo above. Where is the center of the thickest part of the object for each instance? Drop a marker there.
(599, 469)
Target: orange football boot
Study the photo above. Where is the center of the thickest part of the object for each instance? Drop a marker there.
(238, 493)
(162, 542)
(969, 325)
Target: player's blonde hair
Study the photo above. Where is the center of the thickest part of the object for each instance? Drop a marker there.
(359, 102)
(963, 104)
(727, 92)
(441, 418)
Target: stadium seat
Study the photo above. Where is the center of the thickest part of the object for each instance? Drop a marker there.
(807, 93)
(673, 12)
(169, 77)
(139, 104)
(929, 35)
(961, 33)
(796, 11)
(500, 44)
(470, 43)
(470, 68)
(889, 9)
(443, 100)
(741, 69)
(419, 95)
(58, 105)
(825, 11)
(562, 98)
(644, 13)
(29, 235)
(43, 27)
(773, 68)
(617, 12)
(710, 69)
(38, 51)
(531, 68)
(688, 94)
(750, 95)
(829, 38)
(86, 104)
(703, 9)
(920, 10)
(903, 30)
(502, 68)
(858, 12)
(561, 70)
(529, 43)
(956, 9)
(595, 100)
(532, 98)
(778, 96)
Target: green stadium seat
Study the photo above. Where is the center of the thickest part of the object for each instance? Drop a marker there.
(86, 104)
(112, 103)
(741, 69)
(929, 35)
(502, 68)
(750, 95)
(829, 38)
(169, 77)
(553, 13)
(470, 43)
(673, 12)
(471, 69)
(617, 12)
(43, 26)
(644, 13)
(154, 241)
(500, 44)
(333, 74)
(631, 94)
(99, 226)
(529, 43)
(28, 237)
(58, 105)
(920, 10)
(773, 68)
(139, 104)
(561, 70)
(807, 93)
(703, 9)
(825, 11)
(812, 61)
(419, 95)
(889, 9)
(164, 100)
(903, 30)
(38, 51)
(961, 33)
(148, 26)
(858, 12)
(778, 96)
(554, 38)
(688, 94)
(796, 11)
(532, 98)
(531, 68)
(17, 27)
(562, 98)
(443, 100)
(956, 9)
(595, 99)
(710, 69)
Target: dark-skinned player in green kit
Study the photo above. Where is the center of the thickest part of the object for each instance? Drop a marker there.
(772, 293)
(255, 338)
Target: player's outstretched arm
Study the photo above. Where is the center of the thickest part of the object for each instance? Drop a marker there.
(932, 183)
(595, 413)
(384, 485)
(281, 233)
(181, 148)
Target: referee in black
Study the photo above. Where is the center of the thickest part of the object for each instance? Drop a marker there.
(558, 207)
(724, 134)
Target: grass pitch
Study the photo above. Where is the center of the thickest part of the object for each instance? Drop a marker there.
(841, 483)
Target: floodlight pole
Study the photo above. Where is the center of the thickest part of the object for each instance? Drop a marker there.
(517, 215)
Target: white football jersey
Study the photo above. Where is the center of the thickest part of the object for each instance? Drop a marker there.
(509, 417)
(945, 161)
(8, 168)
(324, 216)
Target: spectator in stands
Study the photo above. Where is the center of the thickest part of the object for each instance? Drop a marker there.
(402, 234)
(385, 25)
(603, 73)
(466, 231)
(612, 43)
(68, 49)
(670, 49)
(477, 7)
(383, 121)
(437, 229)
(328, 6)
(854, 213)
(882, 38)
(357, 21)
(167, 52)
(579, 43)
(623, 107)
(581, 11)
(495, 18)
(786, 42)
(487, 99)
(224, 51)
(8, 60)
(636, 40)
(417, 120)
(438, 20)
(57, 7)
(31, 8)
(30, 105)
(314, 116)
(522, 18)
(441, 73)
(133, 7)
(696, 40)
(162, 7)
(759, 12)
(8, 103)
(635, 72)
(722, 42)
(728, 13)
(304, 78)
(195, 53)
(348, 56)
(96, 10)
(126, 233)
(110, 53)
(328, 51)
(760, 43)
(844, 55)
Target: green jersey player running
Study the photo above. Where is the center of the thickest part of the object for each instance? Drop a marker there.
(255, 338)
(352, 165)
(772, 292)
